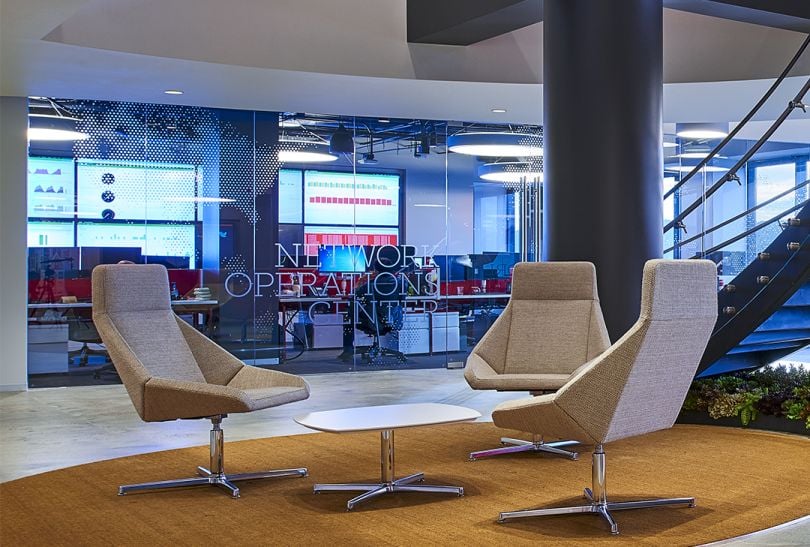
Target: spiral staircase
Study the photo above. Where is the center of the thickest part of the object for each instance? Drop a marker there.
(764, 309)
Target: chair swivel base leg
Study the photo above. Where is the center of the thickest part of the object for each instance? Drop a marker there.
(602, 509)
(597, 503)
(373, 490)
(206, 478)
(519, 445)
(215, 474)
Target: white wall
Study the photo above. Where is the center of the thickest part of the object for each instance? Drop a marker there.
(13, 271)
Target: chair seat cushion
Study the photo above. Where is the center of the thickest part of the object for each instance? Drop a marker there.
(481, 376)
(539, 415)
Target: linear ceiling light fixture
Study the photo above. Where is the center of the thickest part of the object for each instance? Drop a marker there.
(688, 168)
(510, 172)
(701, 130)
(304, 152)
(496, 144)
(697, 154)
(199, 199)
(51, 122)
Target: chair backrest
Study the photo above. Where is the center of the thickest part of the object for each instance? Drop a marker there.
(552, 324)
(639, 384)
(132, 312)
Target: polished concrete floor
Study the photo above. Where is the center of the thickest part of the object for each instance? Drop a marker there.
(53, 428)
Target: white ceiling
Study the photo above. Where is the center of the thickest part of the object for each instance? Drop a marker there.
(347, 57)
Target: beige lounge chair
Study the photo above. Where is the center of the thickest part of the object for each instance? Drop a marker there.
(635, 387)
(171, 371)
(551, 327)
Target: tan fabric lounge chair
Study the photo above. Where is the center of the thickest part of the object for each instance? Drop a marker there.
(171, 371)
(635, 387)
(551, 327)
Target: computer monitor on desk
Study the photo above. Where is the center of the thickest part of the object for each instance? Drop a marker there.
(170, 262)
(90, 257)
(342, 259)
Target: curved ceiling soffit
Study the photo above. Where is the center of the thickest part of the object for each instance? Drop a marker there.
(361, 38)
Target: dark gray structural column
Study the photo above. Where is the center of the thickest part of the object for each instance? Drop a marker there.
(602, 97)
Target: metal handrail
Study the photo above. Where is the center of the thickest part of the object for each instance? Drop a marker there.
(744, 121)
(731, 174)
(750, 231)
(738, 217)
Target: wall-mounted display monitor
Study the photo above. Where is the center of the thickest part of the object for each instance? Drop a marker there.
(342, 259)
(110, 190)
(50, 234)
(51, 188)
(364, 199)
(175, 240)
(316, 236)
(290, 196)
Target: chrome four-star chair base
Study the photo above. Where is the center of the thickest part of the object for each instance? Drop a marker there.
(215, 476)
(387, 482)
(598, 500)
(519, 445)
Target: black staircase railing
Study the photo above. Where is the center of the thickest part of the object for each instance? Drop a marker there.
(740, 216)
(731, 174)
(775, 261)
(733, 133)
(764, 285)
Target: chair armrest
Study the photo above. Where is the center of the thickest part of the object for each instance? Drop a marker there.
(217, 365)
(259, 378)
(478, 369)
(167, 399)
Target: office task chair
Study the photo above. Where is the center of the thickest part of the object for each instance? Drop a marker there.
(635, 387)
(81, 329)
(550, 328)
(381, 306)
(171, 371)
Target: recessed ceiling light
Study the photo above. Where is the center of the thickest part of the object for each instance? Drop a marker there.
(436, 205)
(499, 111)
(384, 120)
(173, 92)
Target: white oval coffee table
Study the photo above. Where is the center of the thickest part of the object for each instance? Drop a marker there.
(386, 419)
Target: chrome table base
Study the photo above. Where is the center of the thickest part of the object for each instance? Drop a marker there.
(519, 445)
(216, 475)
(598, 500)
(387, 482)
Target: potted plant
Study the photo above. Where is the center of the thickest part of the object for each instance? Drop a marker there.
(774, 398)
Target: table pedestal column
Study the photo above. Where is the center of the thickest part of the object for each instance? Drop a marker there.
(387, 482)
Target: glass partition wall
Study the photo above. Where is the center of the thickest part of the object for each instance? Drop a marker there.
(306, 243)
(317, 243)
